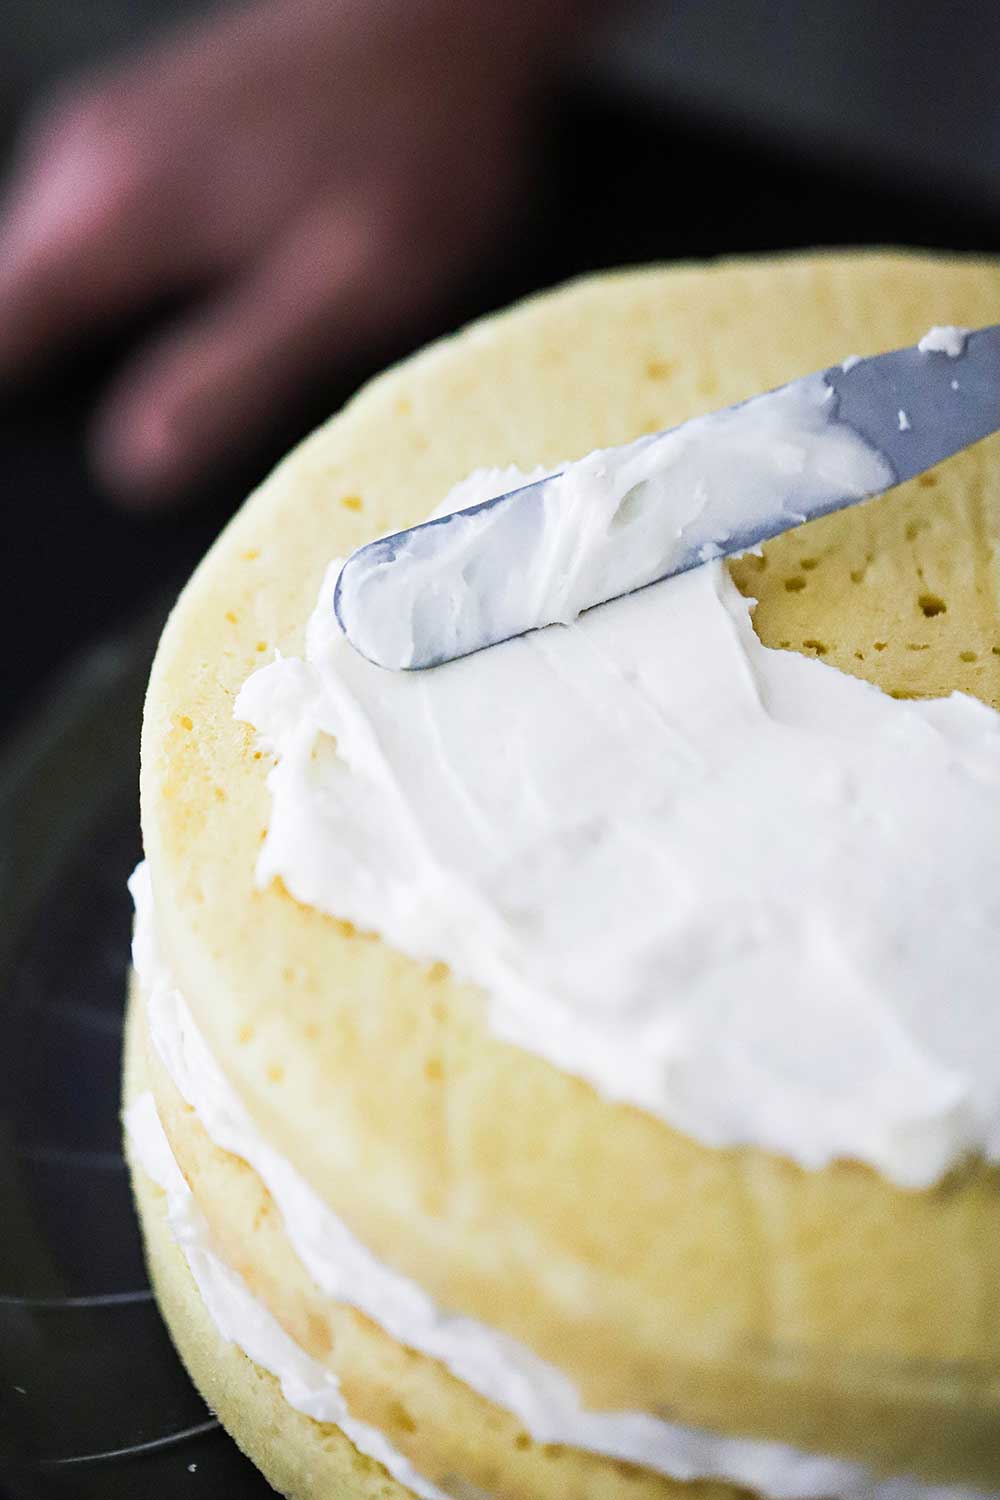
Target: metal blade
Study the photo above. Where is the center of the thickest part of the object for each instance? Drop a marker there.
(948, 403)
(469, 580)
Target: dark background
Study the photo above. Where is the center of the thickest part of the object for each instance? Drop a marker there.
(692, 129)
(686, 129)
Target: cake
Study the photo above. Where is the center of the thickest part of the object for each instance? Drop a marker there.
(440, 1195)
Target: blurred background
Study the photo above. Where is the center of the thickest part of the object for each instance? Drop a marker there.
(218, 220)
(215, 222)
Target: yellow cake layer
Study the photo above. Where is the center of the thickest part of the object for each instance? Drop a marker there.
(726, 1289)
(301, 1458)
(451, 1435)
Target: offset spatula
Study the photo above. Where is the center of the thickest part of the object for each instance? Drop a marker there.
(633, 515)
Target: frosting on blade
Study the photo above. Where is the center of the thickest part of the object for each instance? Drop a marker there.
(605, 525)
(500, 1368)
(733, 886)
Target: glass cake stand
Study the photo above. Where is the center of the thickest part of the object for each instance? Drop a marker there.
(94, 1402)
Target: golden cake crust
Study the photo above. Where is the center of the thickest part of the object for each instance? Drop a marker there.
(702, 1284)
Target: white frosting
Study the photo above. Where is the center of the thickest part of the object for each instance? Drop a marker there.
(241, 1319)
(605, 525)
(903, 420)
(501, 1369)
(730, 885)
(944, 340)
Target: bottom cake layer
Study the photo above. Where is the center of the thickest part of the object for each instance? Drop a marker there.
(285, 1406)
(285, 1409)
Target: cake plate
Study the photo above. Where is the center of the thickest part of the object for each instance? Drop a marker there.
(94, 1401)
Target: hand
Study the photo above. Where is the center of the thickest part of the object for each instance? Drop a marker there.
(309, 173)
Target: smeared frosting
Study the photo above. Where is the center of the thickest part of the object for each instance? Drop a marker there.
(733, 886)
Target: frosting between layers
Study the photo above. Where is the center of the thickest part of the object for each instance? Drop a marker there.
(241, 1319)
(733, 886)
(493, 1364)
